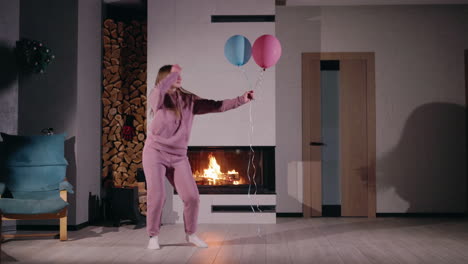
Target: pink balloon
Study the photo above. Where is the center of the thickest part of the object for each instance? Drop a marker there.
(266, 51)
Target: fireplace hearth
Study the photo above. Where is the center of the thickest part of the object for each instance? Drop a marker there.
(226, 170)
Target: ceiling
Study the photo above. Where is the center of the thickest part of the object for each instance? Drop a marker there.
(371, 2)
(323, 2)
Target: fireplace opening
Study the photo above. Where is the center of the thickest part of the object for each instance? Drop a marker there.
(229, 170)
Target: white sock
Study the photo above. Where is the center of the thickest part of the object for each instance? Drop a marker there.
(153, 243)
(194, 239)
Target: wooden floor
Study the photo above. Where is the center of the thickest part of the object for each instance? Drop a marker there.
(291, 240)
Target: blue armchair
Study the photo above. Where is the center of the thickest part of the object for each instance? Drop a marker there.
(33, 170)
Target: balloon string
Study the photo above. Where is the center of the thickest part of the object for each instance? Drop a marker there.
(250, 134)
(251, 162)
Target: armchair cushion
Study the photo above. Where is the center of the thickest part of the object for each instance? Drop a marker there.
(33, 150)
(34, 178)
(26, 206)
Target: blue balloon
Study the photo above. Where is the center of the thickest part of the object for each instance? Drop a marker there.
(238, 50)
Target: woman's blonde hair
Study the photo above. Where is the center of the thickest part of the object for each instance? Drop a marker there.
(167, 101)
(163, 72)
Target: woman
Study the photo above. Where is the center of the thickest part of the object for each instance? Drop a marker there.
(166, 148)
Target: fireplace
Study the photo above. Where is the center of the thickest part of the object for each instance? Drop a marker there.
(226, 170)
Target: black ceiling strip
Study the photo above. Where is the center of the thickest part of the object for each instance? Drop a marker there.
(243, 18)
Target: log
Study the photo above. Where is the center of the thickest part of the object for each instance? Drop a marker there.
(122, 169)
(141, 111)
(106, 101)
(105, 171)
(112, 137)
(138, 83)
(116, 160)
(142, 76)
(113, 152)
(130, 151)
(109, 24)
(112, 111)
(120, 28)
(114, 78)
(112, 131)
(105, 110)
(120, 109)
(127, 159)
(117, 144)
(142, 89)
(113, 122)
(106, 156)
(136, 101)
(122, 148)
(116, 104)
(105, 122)
(114, 69)
(135, 94)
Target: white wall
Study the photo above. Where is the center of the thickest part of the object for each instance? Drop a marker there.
(88, 150)
(420, 96)
(298, 29)
(181, 32)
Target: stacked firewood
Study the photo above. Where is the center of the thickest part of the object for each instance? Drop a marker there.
(123, 99)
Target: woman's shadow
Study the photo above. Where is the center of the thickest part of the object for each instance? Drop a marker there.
(427, 167)
(8, 66)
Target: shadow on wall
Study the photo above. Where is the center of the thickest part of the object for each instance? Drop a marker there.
(8, 65)
(71, 177)
(427, 168)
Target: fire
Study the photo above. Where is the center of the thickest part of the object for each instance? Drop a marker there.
(214, 176)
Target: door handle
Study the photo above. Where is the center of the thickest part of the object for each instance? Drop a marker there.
(316, 144)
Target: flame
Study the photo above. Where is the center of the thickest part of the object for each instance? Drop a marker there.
(215, 176)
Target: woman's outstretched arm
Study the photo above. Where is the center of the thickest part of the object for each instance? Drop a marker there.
(205, 106)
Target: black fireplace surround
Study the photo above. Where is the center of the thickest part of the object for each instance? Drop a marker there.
(232, 165)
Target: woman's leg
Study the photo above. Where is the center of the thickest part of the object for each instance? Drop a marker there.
(188, 192)
(154, 166)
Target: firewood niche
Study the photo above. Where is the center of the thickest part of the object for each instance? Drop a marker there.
(124, 94)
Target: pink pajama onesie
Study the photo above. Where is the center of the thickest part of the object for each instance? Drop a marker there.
(165, 151)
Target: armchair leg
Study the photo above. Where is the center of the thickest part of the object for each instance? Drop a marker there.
(63, 220)
(63, 228)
